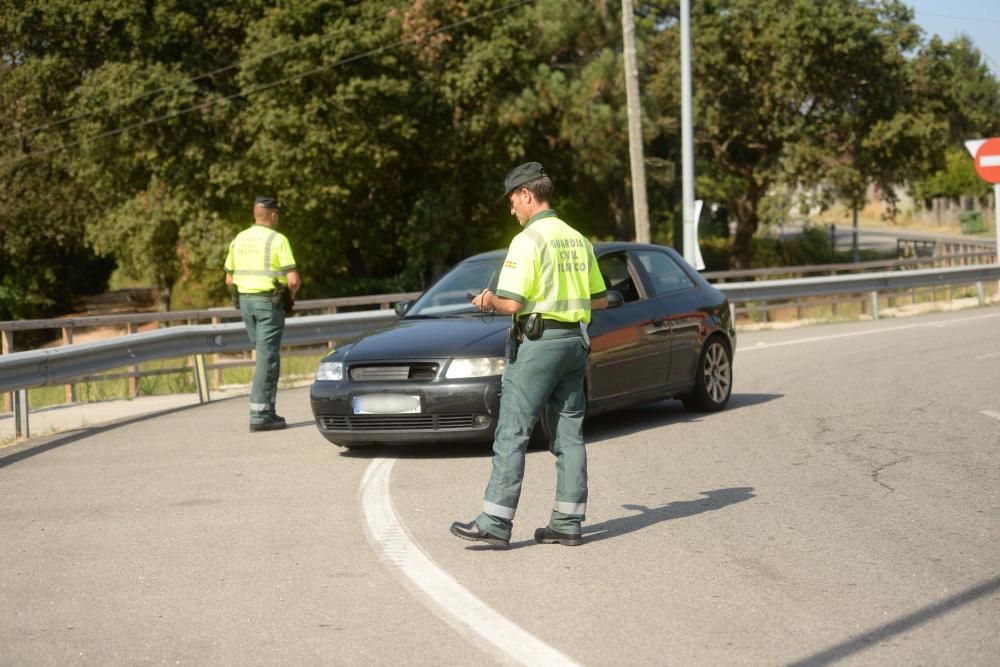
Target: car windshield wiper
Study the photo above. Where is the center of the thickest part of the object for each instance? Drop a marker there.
(421, 317)
(472, 310)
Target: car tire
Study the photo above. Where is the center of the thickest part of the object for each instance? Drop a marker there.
(713, 383)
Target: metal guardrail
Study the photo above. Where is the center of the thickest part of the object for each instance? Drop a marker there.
(21, 370)
(53, 366)
(130, 322)
(384, 301)
(769, 273)
(766, 290)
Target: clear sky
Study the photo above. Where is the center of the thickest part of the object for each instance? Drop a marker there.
(979, 19)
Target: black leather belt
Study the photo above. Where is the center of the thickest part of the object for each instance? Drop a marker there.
(557, 324)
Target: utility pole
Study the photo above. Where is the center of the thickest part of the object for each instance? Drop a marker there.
(687, 138)
(636, 157)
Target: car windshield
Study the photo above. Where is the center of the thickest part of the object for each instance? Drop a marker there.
(450, 295)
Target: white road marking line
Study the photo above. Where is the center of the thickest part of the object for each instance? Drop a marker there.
(760, 345)
(447, 598)
(991, 413)
(988, 356)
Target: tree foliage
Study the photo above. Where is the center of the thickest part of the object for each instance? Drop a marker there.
(137, 134)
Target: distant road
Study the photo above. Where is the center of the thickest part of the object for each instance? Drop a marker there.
(885, 240)
(845, 508)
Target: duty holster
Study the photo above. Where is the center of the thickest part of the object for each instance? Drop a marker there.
(234, 295)
(512, 341)
(282, 298)
(533, 326)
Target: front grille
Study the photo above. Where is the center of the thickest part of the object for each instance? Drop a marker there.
(423, 372)
(396, 422)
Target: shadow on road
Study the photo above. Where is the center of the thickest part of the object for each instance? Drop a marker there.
(679, 509)
(878, 635)
(648, 516)
(633, 420)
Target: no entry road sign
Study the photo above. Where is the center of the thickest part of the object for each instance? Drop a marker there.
(987, 155)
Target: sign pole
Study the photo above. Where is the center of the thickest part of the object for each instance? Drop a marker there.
(986, 155)
(996, 223)
(996, 217)
(688, 241)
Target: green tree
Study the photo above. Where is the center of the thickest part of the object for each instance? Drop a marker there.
(796, 92)
(958, 178)
(958, 88)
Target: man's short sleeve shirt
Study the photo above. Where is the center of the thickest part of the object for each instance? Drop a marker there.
(551, 269)
(257, 257)
(519, 275)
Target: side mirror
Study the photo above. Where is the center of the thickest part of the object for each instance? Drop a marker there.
(615, 299)
(402, 306)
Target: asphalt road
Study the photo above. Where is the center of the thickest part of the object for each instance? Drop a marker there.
(844, 509)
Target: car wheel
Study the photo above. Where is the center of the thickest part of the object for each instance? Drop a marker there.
(713, 382)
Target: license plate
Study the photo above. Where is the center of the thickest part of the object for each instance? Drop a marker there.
(385, 404)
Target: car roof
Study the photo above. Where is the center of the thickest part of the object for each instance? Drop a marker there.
(601, 248)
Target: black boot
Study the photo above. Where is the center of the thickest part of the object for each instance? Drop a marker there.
(472, 531)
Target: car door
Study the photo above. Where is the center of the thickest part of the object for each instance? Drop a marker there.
(676, 297)
(626, 356)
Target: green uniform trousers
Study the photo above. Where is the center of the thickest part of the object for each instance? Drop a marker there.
(546, 379)
(265, 324)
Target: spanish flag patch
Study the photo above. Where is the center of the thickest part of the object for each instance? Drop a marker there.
(510, 264)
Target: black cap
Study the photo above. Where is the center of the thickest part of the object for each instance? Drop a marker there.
(267, 202)
(521, 174)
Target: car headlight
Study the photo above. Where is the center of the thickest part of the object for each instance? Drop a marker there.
(332, 371)
(476, 367)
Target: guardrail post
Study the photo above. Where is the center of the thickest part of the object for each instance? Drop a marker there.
(874, 305)
(981, 292)
(217, 358)
(67, 337)
(6, 347)
(21, 413)
(133, 381)
(201, 378)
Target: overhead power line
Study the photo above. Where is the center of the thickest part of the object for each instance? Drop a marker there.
(267, 86)
(151, 93)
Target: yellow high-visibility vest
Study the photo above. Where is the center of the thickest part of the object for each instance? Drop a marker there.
(551, 269)
(257, 257)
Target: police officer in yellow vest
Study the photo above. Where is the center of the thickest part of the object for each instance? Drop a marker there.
(259, 264)
(550, 281)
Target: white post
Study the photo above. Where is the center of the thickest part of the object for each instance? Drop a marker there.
(21, 414)
(687, 140)
(996, 219)
(996, 216)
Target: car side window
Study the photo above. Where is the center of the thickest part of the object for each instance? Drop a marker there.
(614, 268)
(664, 273)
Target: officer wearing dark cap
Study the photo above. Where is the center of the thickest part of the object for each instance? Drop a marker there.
(260, 265)
(549, 283)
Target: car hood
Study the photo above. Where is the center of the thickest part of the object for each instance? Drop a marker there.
(432, 339)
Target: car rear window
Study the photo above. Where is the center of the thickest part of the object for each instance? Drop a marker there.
(665, 274)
